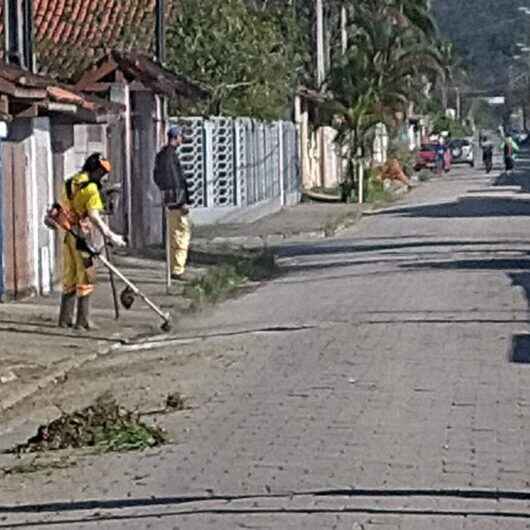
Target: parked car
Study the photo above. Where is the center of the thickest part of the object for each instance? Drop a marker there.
(426, 158)
(462, 151)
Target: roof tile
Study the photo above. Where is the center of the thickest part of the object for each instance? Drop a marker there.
(69, 34)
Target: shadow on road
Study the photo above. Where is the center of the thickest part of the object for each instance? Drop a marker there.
(465, 209)
(519, 177)
(520, 346)
(343, 247)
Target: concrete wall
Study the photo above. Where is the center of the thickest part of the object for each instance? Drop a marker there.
(320, 161)
(29, 248)
(43, 185)
(381, 142)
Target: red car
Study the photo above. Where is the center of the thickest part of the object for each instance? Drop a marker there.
(426, 158)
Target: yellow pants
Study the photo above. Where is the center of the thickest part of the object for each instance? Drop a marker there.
(179, 233)
(77, 277)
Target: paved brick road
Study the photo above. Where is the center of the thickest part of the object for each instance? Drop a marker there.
(399, 379)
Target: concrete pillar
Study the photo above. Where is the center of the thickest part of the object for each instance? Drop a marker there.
(43, 188)
(146, 208)
(120, 93)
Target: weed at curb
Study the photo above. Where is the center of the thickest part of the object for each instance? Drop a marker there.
(215, 286)
(223, 280)
(424, 175)
(104, 426)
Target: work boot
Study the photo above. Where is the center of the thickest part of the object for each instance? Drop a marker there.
(83, 314)
(185, 276)
(66, 314)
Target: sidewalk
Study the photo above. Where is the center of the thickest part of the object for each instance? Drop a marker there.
(34, 352)
(305, 221)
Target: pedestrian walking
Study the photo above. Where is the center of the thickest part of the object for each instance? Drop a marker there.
(170, 179)
(487, 153)
(81, 202)
(510, 149)
(440, 156)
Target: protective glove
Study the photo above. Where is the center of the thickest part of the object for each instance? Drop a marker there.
(116, 240)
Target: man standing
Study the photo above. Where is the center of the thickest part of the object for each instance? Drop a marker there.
(170, 179)
(82, 203)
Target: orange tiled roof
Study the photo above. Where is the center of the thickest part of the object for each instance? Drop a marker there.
(20, 86)
(71, 34)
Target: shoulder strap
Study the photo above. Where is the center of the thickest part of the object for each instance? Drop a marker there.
(69, 187)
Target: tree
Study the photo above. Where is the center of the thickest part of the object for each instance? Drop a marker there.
(382, 72)
(392, 57)
(248, 56)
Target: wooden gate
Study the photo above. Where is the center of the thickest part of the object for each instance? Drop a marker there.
(18, 273)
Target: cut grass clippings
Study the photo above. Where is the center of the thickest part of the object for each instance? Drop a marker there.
(225, 279)
(218, 284)
(105, 426)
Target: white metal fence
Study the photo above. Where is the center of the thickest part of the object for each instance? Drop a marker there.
(239, 163)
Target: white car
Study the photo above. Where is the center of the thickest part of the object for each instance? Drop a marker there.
(462, 151)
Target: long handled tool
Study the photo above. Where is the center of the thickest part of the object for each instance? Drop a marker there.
(166, 324)
(57, 217)
(112, 284)
(167, 236)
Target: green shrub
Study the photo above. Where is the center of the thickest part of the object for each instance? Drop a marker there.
(424, 175)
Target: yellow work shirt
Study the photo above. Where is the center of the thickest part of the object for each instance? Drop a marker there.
(84, 198)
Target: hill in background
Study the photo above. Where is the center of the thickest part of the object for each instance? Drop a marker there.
(485, 33)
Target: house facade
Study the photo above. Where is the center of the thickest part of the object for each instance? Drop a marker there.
(45, 125)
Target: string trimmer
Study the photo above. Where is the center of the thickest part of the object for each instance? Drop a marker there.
(59, 218)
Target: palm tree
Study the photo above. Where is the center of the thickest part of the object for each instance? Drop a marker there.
(383, 61)
(378, 77)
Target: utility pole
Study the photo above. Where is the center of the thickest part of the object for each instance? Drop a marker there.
(19, 33)
(458, 104)
(28, 35)
(161, 31)
(321, 61)
(344, 28)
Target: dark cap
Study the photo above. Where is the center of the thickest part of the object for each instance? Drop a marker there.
(174, 132)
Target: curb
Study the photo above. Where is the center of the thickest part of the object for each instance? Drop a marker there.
(267, 241)
(29, 389)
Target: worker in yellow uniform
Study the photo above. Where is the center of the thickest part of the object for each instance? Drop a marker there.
(170, 179)
(81, 200)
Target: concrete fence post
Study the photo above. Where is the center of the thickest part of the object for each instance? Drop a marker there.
(281, 162)
(239, 169)
(209, 163)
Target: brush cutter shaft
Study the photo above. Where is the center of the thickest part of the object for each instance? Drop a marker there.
(133, 288)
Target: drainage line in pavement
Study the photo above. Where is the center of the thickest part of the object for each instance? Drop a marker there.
(493, 495)
(447, 321)
(97, 519)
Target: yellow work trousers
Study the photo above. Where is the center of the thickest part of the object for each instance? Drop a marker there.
(179, 233)
(79, 275)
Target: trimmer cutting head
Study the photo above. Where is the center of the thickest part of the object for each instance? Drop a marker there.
(166, 326)
(127, 298)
